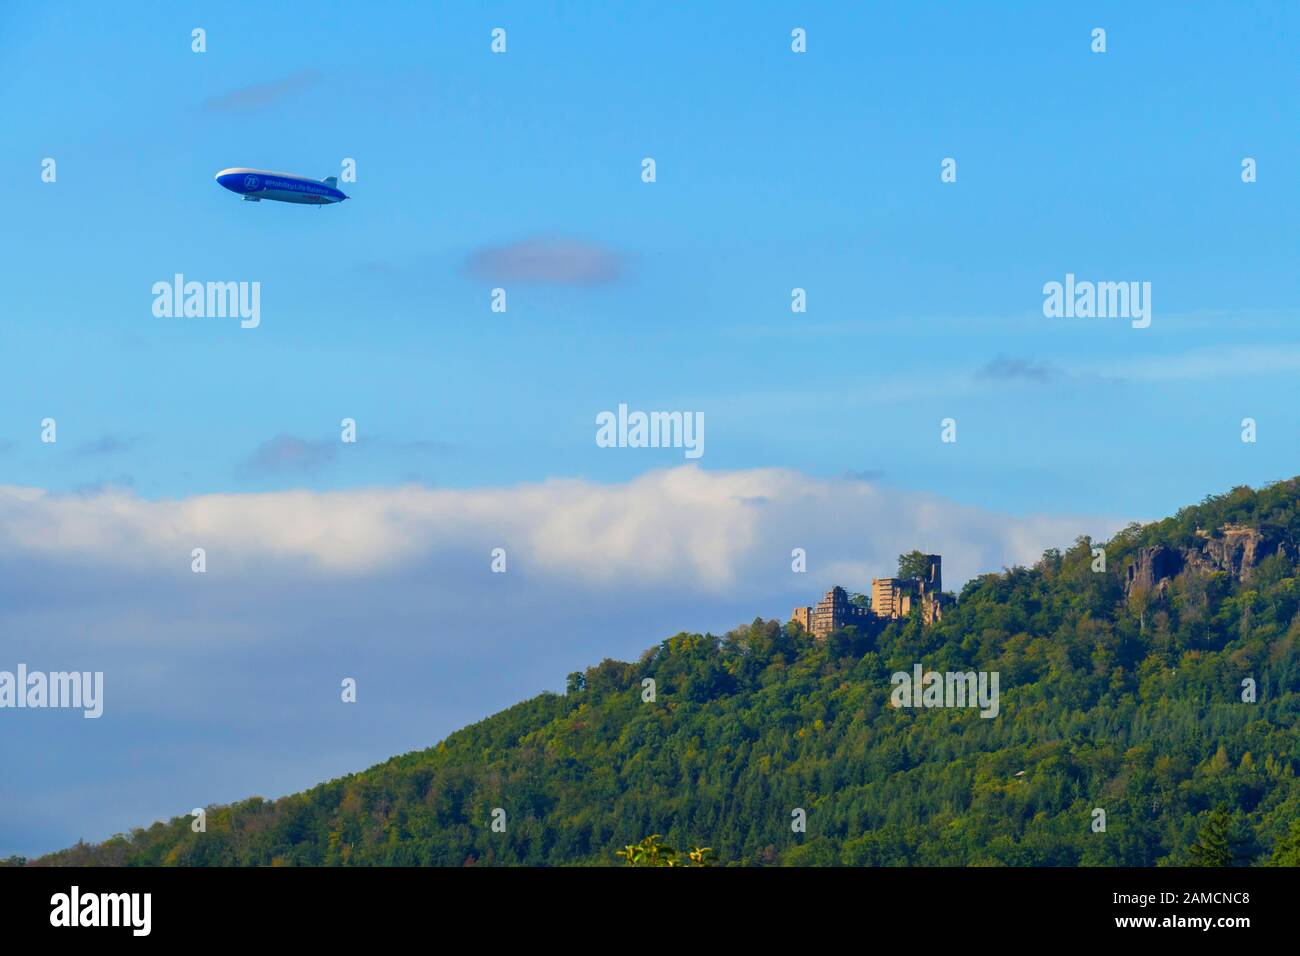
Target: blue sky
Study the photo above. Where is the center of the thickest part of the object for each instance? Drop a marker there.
(774, 170)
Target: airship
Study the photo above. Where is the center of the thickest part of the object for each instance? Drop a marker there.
(258, 184)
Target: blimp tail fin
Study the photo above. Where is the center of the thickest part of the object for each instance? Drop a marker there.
(331, 181)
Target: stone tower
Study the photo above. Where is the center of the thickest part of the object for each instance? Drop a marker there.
(932, 590)
(934, 576)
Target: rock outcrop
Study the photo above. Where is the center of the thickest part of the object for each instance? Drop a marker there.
(1239, 550)
(1153, 568)
(1235, 549)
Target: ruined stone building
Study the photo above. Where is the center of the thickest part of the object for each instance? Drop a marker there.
(891, 599)
(832, 612)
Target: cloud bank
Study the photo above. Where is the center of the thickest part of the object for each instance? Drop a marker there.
(702, 531)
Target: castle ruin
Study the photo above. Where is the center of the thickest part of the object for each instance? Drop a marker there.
(891, 600)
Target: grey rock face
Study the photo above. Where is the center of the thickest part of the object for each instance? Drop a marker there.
(1152, 569)
(1238, 551)
(1233, 548)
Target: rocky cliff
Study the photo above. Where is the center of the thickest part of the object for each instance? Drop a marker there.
(1236, 549)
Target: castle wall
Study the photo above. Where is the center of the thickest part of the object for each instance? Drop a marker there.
(835, 611)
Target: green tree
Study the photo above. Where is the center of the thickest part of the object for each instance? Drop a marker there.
(1218, 843)
(1287, 851)
(914, 564)
(651, 852)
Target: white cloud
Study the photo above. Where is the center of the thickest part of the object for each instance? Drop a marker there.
(684, 527)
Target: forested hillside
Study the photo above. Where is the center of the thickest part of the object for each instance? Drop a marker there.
(1121, 690)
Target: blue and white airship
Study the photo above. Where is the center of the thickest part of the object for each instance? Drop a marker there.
(258, 184)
